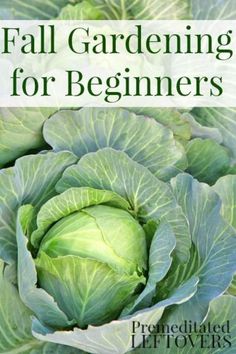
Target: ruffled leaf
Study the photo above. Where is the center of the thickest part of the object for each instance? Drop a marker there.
(32, 180)
(224, 119)
(214, 241)
(21, 131)
(207, 160)
(91, 129)
(221, 315)
(38, 300)
(160, 260)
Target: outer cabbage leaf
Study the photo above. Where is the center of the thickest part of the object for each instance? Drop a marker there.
(207, 160)
(5, 10)
(161, 10)
(213, 258)
(31, 180)
(15, 323)
(169, 117)
(222, 118)
(51, 348)
(91, 129)
(37, 299)
(203, 132)
(222, 309)
(213, 9)
(232, 288)
(21, 131)
(33, 10)
(116, 9)
(144, 9)
(162, 245)
(226, 188)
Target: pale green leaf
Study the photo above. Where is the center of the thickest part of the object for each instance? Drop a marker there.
(15, 319)
(215, 243)
(214, 9)
(203, 132)
(91, 129)
(160, 261)
(21, 131)
(52, 348)
(226, 188)
(38, 300)
(223, 119)
(115, 9)
(169, 117)
(207, 160)
(31, 180)
(9, 202)
(15, 324)
(161, 10)
(222, 309)
(221, 312)
(36, 175)
(178, 274)
(144, 9)
(35, 10)
(232, 288)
